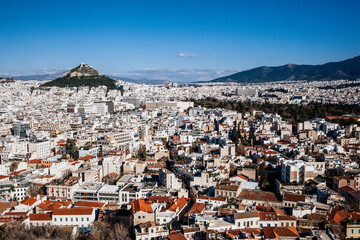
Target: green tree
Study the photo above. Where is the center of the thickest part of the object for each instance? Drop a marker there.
(71, 148)
(13, 166)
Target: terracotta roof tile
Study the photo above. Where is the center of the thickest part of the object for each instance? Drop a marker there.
(140, 205)
(293, 197)
(73, 211)
(40, 217)
(89, 204)
(176, 236)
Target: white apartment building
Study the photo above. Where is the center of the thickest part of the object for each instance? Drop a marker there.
(169, 180)
(81, 217)
(297, 171)
(40, 149)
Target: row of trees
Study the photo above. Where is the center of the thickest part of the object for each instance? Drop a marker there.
(90, 81)
(292, 112)
(101, 230)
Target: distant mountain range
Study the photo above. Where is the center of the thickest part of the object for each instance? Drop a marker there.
(6, 80)
(347, 69)
(40, 77)
(52, 76)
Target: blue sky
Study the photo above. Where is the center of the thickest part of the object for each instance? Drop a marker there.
(175, 40)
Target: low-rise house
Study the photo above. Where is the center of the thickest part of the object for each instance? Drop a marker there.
(259, 198)
(142, 211)
(228, 190)
(63, 191)
(47, 206)
(81, 217)
(280, 233)
(213, 201)
(29, 203)
(39, 220)
(291, 200)
(268, 219)
(246, 220)
(150, 230)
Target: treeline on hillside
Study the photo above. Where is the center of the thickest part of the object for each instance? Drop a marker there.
(90, 81)
(100, 230)
(291, 112)
(345, 85)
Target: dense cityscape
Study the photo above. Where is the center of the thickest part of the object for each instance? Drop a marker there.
(179, 161)
(179, 120)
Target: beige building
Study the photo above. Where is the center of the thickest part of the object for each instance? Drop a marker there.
(228, 191)
(353, 231)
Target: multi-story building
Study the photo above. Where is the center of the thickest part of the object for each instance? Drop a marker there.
(62, 191)
(133, 191)
(41, 149)
(296, 171)
(169, 179)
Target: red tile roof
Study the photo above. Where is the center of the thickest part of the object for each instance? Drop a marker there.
(268, 216)
(140, 205)
(178, 206)
(293, 197)
(176, 236)
(90, 204)
(197, 208)
(285, 232)
(268, 232)
(344, 215)
(258, 196)
(52, 205)
(40, 217)
(3, 177)
(73, 211)
(28, 201)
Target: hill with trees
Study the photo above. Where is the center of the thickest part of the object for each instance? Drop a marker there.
(82, 75)
(347, 69)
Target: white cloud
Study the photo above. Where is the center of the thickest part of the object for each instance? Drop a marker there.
(188, 55)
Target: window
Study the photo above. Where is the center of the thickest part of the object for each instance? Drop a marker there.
(54, 219)
(66, 220)
(77, 219)
(87, 219)
(60, 219)
(82, 219)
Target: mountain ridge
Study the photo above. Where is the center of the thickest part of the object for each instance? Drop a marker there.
(346, 69)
